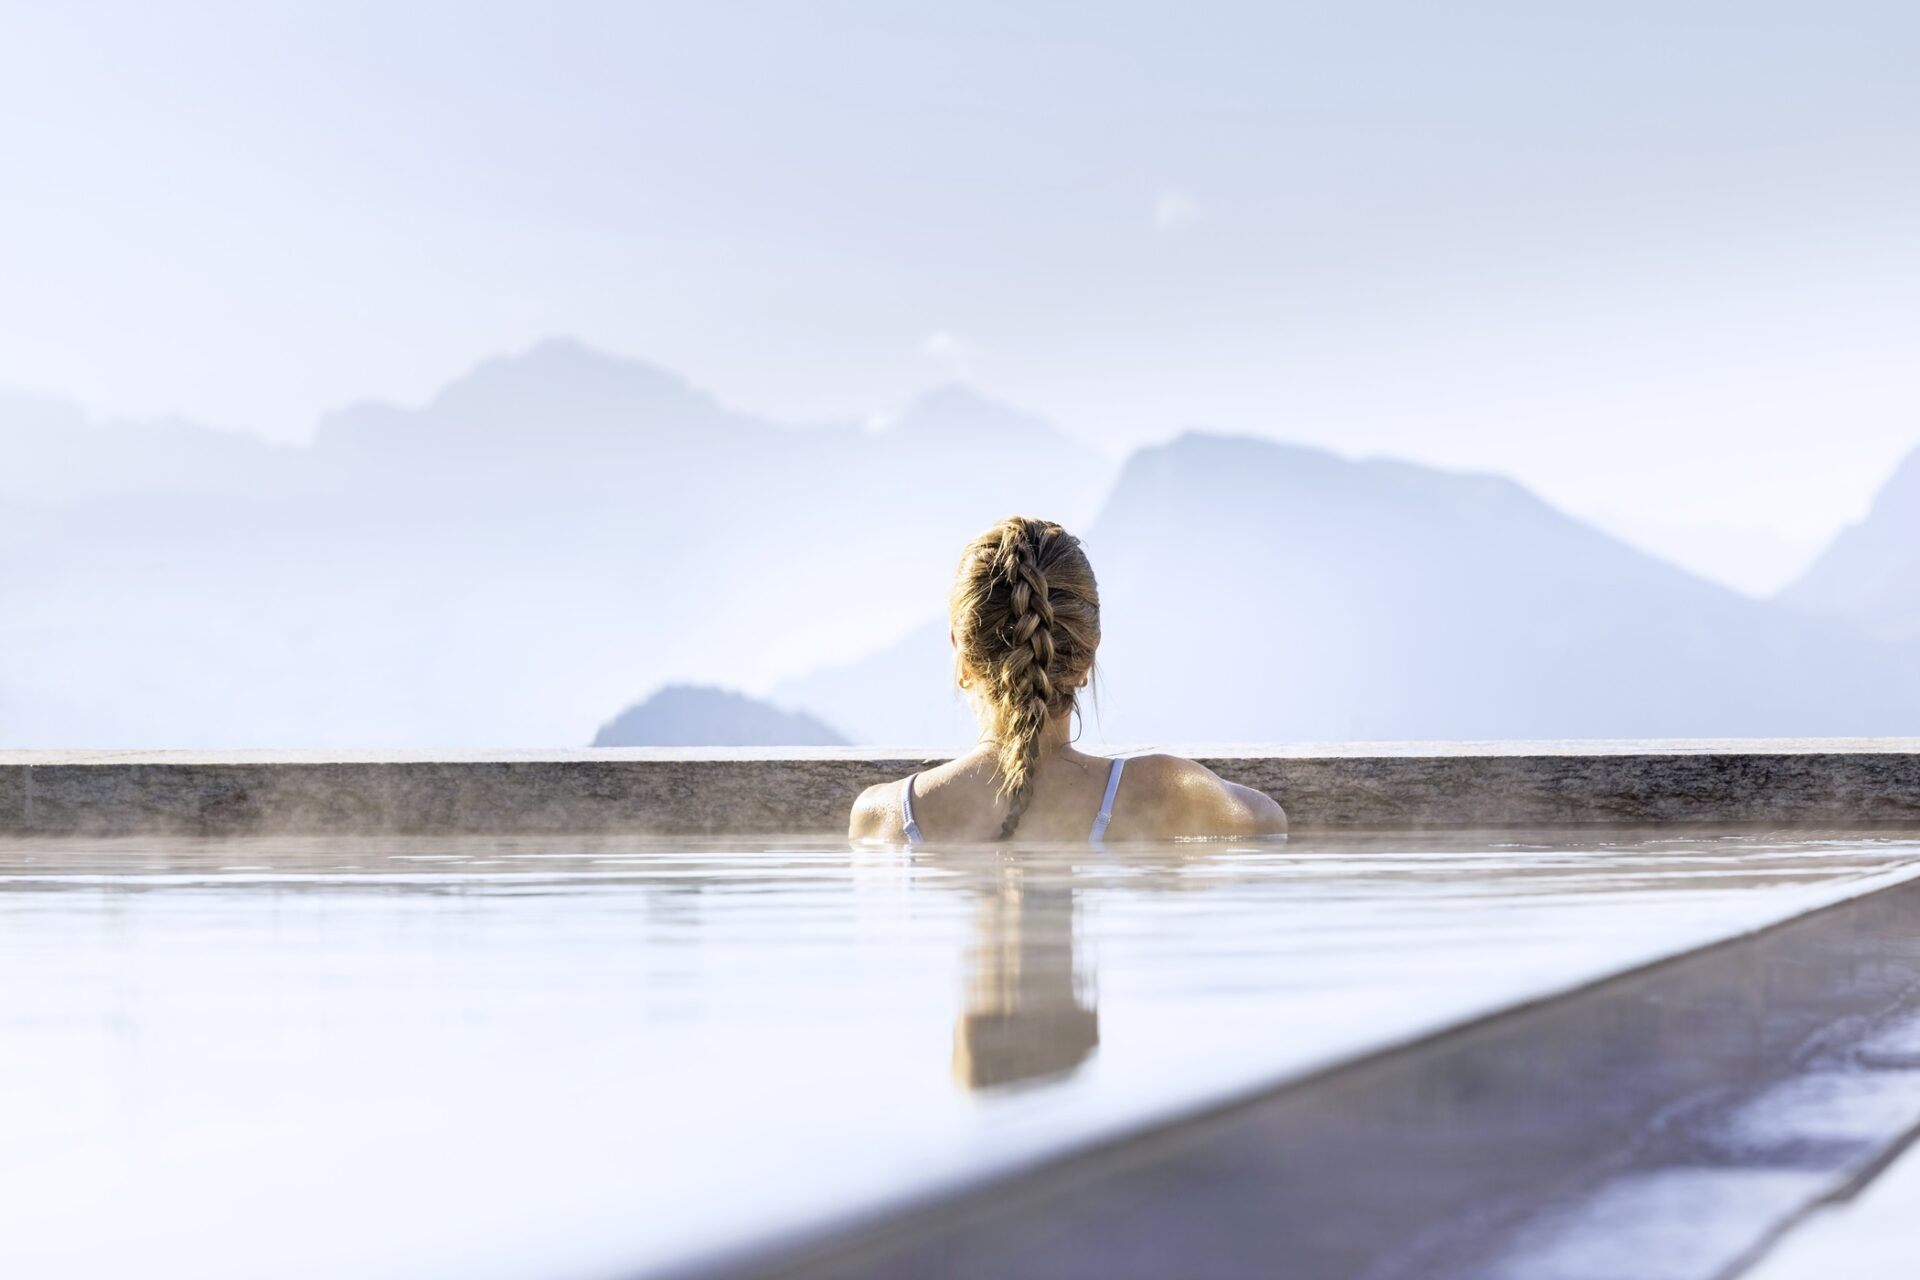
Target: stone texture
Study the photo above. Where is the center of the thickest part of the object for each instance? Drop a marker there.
(13, 799)
(1396, 786)
(1734, 783)
(247, 794)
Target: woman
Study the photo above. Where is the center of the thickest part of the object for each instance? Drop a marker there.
(1025, 619)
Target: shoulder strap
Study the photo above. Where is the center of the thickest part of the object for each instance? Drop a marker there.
(1106, 804)
(906, 812)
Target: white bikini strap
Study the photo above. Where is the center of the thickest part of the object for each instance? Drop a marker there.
(1106, 804)
(906, 812)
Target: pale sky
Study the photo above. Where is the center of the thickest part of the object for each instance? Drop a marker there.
(1657, 260)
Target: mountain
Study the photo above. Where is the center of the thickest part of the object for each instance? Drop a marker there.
(1870, 575)
(682, 715)
(560, 403)
(1254, 591)
(482, 568)
(54, 451)
(900, 695)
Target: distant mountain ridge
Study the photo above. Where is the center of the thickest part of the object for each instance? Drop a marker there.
(484, 567)
(559, 395)
(1870, 574)
(1255, 591)
(52, 451)
(566, 378)
(707, 716)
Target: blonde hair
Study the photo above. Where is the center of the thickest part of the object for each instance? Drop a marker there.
(1026, 620)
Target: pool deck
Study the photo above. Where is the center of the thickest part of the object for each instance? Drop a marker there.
(1850, 782)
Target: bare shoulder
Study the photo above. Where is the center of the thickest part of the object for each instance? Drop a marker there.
(1168, 797)
(876, 814)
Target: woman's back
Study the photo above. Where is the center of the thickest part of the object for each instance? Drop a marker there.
(1154, 797)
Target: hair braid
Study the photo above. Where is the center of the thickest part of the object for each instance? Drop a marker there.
(1027, 685)
(1026, 621)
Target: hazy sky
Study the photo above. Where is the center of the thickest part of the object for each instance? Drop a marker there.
(1658, 260)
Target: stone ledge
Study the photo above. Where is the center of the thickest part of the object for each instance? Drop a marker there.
(1507, 1145)
(1352, 786)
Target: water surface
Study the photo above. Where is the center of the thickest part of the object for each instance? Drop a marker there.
(596, 1058)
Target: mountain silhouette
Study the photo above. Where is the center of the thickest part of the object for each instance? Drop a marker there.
(485, 567)
(55, 452)
(560, 403)
(901, 695)
(705, 716)
(1255, 591)
(1870, 575)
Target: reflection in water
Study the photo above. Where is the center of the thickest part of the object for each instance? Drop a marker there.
(1026, 1016)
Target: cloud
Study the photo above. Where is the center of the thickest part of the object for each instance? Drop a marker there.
(1174, 210)
(953, 351)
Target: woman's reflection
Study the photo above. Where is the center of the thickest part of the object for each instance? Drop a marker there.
(1028, 1008)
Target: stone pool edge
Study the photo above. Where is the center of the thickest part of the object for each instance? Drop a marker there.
(1850, 783)
(934, 1225)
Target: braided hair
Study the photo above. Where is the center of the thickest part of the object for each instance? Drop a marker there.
(1026, 620)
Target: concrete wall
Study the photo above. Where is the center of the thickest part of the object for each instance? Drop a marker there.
(1378, 786)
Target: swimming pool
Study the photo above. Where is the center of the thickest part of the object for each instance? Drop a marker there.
(602, 1057)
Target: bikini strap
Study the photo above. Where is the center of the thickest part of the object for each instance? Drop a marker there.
(906, 812)
(1106, 804)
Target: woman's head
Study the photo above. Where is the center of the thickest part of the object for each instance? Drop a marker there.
(1026, 620)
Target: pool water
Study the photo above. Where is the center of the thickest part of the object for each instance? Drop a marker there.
(601, 1057)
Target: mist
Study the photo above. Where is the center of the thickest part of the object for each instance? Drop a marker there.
(562, 532)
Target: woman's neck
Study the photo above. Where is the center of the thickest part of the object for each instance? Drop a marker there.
(1057, 736)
